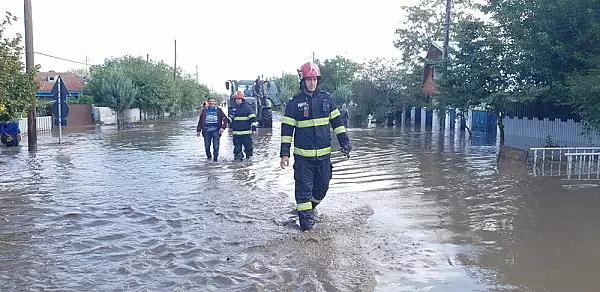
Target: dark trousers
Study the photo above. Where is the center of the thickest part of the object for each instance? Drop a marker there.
(311, 178)
(238, 142)
(211, 137)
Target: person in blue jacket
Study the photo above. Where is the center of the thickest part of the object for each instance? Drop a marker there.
(307, 118)
(243, 124)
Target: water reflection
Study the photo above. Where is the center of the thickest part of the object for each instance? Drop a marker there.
(411, 210)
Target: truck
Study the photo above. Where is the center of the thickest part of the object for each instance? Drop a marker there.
(263, 108)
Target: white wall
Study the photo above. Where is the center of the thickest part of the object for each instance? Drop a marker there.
(106, 116)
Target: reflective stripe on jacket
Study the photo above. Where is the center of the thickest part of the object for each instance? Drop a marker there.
(243, 120)
(311, 135)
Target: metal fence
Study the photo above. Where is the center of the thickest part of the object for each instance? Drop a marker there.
(583, 166)
(42, 124)
(571, 162)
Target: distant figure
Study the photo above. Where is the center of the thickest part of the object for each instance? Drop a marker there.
(345, 115)
(258, 90)
(248, 91)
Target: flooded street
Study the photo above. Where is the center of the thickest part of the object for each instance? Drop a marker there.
(143, 210)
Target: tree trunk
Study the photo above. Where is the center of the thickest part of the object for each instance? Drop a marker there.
(119, 120)
(390, 120)
(462, 116)
(399, 115)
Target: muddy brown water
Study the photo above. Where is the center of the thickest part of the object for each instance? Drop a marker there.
(142, 210)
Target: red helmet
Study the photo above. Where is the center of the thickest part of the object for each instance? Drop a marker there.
(239, 94)
(310, 69)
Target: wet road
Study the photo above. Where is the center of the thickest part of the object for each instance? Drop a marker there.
(142, 210)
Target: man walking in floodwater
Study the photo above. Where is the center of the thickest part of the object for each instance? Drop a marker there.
(345, 115)
(243, 124)
(211, 125)
(308, 116)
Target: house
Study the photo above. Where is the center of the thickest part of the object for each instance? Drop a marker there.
(74, 83)
(435, 52)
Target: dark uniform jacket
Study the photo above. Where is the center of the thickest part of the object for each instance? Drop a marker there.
(308, 119)
(242, 120)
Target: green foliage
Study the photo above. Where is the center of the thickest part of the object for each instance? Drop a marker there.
(117, 91)
(423, 23)
(377, 87)
(288, 86)
(584, 89)
(543, 50)
(383, 90)
(17, 88)
(337, 76)
(337, 72)
(481, 72)
(157, 89)
(82, 99)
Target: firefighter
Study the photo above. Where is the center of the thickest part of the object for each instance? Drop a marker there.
(243, 124)
(307, 118)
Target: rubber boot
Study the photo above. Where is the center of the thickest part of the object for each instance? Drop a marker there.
(306, 220)
(314, 205)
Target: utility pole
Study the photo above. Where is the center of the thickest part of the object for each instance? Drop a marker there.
(175, 67)
(147, 57)
(196, 74)
(313, 57)
(447, 28)
(30, 66)
(86, 65)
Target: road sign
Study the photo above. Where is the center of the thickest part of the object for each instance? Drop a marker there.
(64, 109)
(63, 91)
(63, 120)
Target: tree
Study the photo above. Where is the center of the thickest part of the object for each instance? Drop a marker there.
(481, 72)
(118, 91)
(422, 24)
(157, 91)
(287, 86)
(558, 52)
(17, 88)
(384, 91)
(337, 76)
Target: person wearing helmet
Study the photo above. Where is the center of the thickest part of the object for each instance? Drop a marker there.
(243, 124)
(307, 118)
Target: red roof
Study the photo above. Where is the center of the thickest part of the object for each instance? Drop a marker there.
(72, 81)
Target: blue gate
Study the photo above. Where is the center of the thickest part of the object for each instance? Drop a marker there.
(484, 122)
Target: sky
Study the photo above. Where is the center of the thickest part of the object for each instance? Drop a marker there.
(229, 39)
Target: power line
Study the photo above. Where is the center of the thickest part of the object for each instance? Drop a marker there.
(59, 58)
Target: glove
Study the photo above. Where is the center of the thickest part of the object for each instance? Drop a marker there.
(346, 148)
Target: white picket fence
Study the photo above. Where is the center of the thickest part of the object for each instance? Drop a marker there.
(43, 124)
